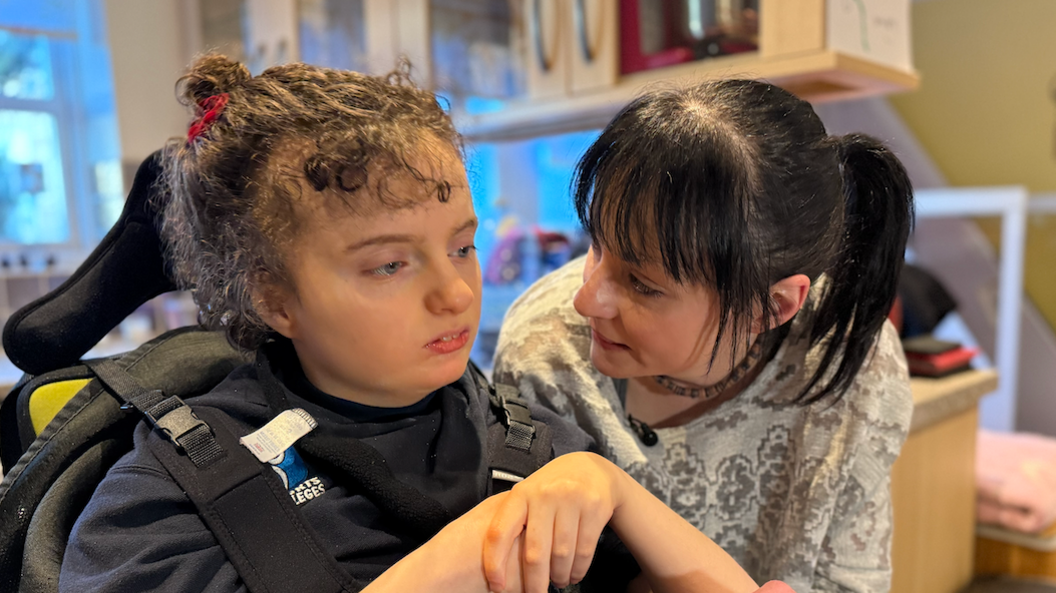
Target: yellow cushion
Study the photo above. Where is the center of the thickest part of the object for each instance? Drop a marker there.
(47, 400)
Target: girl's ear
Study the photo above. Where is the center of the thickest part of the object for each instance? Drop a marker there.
(788, 296)
(271, 303)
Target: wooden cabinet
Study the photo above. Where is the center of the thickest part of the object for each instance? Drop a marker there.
(822, 50)
(933, 485)
(523, 68)
(572, 46)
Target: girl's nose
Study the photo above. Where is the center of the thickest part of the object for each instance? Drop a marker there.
(452, 294)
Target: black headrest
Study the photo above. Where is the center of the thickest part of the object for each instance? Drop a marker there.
(126, 270)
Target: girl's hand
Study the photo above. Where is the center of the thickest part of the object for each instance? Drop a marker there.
(451, 560)
(561, 509)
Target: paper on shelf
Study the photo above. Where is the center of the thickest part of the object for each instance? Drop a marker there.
(875, 30)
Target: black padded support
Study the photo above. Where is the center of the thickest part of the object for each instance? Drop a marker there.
(126, 270)
(11, 445)
(24, 420)
(252, 517)
(94, 415)
(58, 510)
(97, 418)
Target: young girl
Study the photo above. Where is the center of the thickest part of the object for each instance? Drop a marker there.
(724, 339)
(324, 221)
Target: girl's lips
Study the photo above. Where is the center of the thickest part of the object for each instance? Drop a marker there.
(450, 343)
(606, 344)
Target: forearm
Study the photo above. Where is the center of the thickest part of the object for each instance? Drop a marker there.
(673, 554)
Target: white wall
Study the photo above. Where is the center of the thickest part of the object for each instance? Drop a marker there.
(149, 49)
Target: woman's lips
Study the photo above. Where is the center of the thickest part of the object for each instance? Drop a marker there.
(449, 343)
(606, 344)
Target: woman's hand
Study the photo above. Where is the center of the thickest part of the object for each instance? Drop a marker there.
(561, 510)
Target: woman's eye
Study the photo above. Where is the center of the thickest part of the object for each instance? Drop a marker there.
(388, 269)
(642, 289)
(466, 251)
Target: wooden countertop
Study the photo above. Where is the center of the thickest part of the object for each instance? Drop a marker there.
(935, 400)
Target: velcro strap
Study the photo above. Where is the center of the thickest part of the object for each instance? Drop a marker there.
(519, 428)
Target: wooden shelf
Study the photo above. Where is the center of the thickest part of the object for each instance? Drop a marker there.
(817, 76)
(935, 400)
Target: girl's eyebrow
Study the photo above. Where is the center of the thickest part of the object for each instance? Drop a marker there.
(380, 240)
(406, 238)
(470, 224)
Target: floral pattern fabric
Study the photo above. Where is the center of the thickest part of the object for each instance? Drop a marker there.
(794, 493)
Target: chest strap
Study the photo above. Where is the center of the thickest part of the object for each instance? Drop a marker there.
(241, 500)
(250, 513)
(519, 444)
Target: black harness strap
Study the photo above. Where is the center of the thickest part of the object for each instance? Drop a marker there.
(253, 518)
(170, 414)
(520, 444)
(240, 499)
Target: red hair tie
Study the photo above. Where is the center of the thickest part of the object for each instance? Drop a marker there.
(210, 108)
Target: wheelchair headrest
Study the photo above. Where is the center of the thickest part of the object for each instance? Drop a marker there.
(126, 270)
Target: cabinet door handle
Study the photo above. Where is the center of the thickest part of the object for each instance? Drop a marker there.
(579, 13)
(545, 62)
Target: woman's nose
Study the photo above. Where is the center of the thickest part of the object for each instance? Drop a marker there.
(597, 297)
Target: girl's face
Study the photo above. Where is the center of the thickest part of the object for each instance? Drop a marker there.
(386, 306)
(643, 323)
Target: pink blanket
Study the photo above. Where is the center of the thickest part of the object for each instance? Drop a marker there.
(1016, 479)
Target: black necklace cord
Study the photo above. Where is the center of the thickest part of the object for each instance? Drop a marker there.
(645, 434)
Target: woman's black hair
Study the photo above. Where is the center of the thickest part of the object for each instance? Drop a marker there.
(734, 184)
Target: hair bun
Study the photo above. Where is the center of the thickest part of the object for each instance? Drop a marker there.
(210, 75)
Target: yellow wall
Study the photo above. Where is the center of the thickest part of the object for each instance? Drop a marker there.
(986, 108)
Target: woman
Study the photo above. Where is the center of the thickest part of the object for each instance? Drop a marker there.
(724, 340)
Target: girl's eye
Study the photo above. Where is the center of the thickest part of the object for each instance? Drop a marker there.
(388, 269)
(466, 251)
(642, 289)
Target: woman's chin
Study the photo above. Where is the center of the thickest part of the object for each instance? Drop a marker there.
(618, 365)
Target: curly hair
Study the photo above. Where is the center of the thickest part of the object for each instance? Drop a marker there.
(295, 136)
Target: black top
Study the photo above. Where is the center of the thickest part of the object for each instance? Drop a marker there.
(140, 531)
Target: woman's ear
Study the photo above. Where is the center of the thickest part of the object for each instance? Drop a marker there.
(787, 296)
(271, 302)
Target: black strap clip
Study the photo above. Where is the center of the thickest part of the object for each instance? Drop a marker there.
(520, 429)
(174, 418)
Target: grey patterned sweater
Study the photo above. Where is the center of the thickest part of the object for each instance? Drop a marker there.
(795, 493)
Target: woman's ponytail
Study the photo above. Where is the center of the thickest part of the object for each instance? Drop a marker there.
(863, 280)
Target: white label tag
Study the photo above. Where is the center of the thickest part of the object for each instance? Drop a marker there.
(278, 435)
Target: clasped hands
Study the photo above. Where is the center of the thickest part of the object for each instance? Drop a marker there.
(547, 527)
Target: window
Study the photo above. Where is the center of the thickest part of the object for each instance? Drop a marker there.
(60, 175)
(528, 227)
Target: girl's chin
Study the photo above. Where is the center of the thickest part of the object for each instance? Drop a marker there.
(450, 371)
